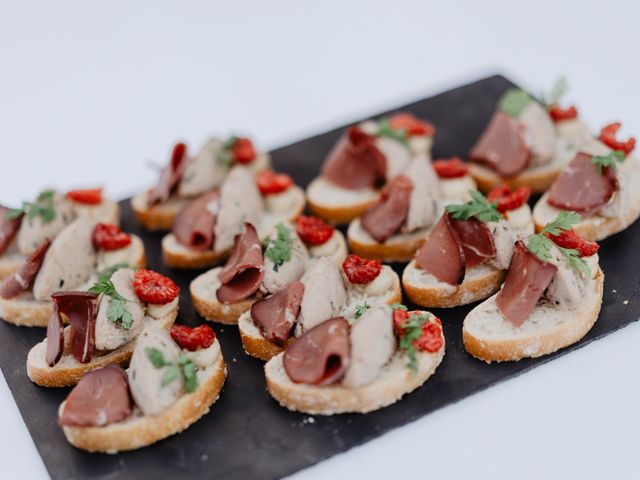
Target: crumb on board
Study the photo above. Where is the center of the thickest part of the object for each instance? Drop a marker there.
(626, 302)
(308, 420)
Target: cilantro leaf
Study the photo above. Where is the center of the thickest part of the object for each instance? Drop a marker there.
(188, 371)
(361, 309)
(183, 367)
(42, 207)
(564, 221)
(397, 134)
(117, 311)
(513, 101)
(156, 357)
(478, 207)
(609, 160)
(278, 249)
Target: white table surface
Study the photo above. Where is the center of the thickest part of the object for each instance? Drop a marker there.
(91, 91)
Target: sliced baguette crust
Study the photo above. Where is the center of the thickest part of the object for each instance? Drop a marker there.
(257, 346)
(158, 217)
(140, 431)
(203, 293)
(479, 283)
(538, 179)
(322, 202)
(26, 311)
(570, 325)
(178, 256)
(391, 385)
(595, 227)
(68, 370)
(398, 248)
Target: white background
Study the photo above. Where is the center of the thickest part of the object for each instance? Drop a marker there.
(91, 91)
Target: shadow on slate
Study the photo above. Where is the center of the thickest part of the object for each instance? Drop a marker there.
(247, 435)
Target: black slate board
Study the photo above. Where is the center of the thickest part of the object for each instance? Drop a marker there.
(247, 435)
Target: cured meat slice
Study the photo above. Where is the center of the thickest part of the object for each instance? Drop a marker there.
(170, 176)
(355, 161)
(581, 187)
(385, 218)
(23, 278)
(193, 226)
(476, 240)
(243, 272)
(276, 315)
(441, 254)
(321, 355)
(8, 228)
(82, 309)
(527, 279)
(502, 146)
(55, 337)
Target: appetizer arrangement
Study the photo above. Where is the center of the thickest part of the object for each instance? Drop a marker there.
(203, 232)
(185, 178)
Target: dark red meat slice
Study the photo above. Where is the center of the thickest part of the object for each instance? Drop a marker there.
(386, 217)
(55, 337)
(23, 278)
(276, 315)
(170, 176)
(8, 228)
(441, 254)
(193, 227)
(81, 308)
(476, 241)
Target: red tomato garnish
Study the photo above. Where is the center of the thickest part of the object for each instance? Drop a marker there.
(271, 182)
(243, 151)
(608, 137)
(412, 125)
(90, 196)
(559, 114)
(507, 199)
(431, 340)
(152, 287)
(450, 167)
(361, 270)
(312, 230)
(571, 239)
(193, 338)
(109, 237)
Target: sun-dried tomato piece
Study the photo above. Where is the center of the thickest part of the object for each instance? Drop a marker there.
(559, 114)
(109, 237)
(312, 230)
(193, 338)
(90, 196)
(243, 151)
(571, 239)
(507, 199)
(450, 167)
(360, 270)
(431, 339)
(270, 182)
(152, 287)
(410, 124)
(608, 137)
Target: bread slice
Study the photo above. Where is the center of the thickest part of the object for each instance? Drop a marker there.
(538, 179)
(399, 248)
(338, 205)
(549, 328)
(68, 370)
(391, 385)
(178, 256)
(10, 262)
(25, 311)
(425, 290)
(158, 217)
(139, 431)
(257, 346)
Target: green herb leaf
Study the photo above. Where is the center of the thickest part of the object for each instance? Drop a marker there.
(170, 374)
(189, 377)
(558, 91)
(478, 207)
(514, 101)
(105, 286)
(225, 156)
(398, 134)
(564, 221)
(108, 272)
(156, 357)
(361, 309)
(42, 207)
(183, 367)
(117, 311)
(411, 331)
(398, 306)
(612, 159)
(279, 249)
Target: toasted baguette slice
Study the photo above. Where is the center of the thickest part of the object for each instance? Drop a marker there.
(257, 346)
(68, 370)
(391, 385)
(399, 248)
(178, 256)
(158, 217)
(425, 290)
(538, 179)
(338, 205)
(25, 311)
(11, 261)
(549, 328)
(139, 431)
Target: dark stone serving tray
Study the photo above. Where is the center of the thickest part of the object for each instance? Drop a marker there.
(248, 435)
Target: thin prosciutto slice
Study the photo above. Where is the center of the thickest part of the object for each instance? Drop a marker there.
(527, 279)
(81, 308)
(355, 161)
(193, 227)
(8, 228)
(321, 355)
(386, 218)
(276, 315)
(170, 176)
(442, 254)
(581, 187)
(476, 241)
(23, 278)
(502, 146)
(242, 274)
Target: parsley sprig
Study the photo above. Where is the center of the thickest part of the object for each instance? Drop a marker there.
(397, 134)
(478, 207)
(513, 101)
(42, 207)
(279, 249)
(611, 160)
(560, 88)
(117, 311)
(412, 331)
(225, 156)
(361, 309)
(541, 245)
(183, 367)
